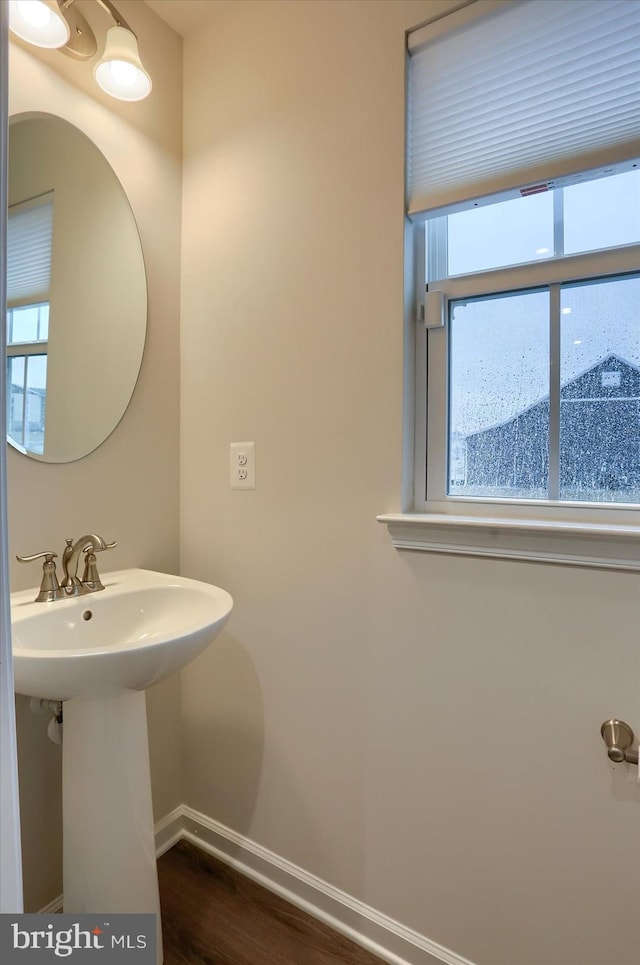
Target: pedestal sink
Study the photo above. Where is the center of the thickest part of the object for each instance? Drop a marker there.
(98, 653)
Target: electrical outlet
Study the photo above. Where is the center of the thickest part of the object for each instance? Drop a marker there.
(242, 465)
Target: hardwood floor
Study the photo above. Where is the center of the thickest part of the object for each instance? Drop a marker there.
(212, 915)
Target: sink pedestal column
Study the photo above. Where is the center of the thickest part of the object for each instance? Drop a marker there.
(109, 854)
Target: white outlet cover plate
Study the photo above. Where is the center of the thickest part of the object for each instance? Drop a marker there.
(242, 456)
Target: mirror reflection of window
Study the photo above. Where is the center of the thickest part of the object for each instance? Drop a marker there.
(29, 242)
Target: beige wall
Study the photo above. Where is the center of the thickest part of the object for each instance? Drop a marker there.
(128, 489)
(421, 731)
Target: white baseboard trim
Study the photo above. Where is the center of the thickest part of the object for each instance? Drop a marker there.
(379, 934)
(169, 830)
(53, 908)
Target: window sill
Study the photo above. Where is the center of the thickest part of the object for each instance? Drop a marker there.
(609, 546)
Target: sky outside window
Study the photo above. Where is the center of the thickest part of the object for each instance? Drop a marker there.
(507, 233)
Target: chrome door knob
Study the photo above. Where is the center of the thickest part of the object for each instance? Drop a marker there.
(618, 737)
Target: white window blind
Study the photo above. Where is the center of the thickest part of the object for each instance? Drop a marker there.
(505, 95)
(29, 234)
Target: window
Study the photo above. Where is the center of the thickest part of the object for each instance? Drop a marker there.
(524, 209)
(29, 237)
(27, 334)
(542, 400)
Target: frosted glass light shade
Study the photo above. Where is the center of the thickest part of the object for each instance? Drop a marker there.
(38, 22)
(119, 71)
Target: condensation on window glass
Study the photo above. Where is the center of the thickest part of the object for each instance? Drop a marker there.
(600, 391)
(496, 235)
(603, 213)
(499, 396)
(27, 380)
(28, 324)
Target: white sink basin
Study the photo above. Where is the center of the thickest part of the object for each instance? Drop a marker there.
(140, 629)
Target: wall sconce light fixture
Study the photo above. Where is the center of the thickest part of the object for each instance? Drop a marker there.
(59, 24)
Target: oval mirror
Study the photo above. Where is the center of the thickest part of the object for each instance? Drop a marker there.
(76, 292)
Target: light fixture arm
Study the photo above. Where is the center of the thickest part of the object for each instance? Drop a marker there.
(115, 15)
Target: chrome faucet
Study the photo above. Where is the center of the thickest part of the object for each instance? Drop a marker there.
(71, 584)
(90, 580)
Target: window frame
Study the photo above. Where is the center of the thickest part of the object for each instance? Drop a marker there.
(551, 531)
(432, 368)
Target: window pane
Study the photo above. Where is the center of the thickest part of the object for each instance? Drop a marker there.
(499, 396)
(43, 323)
(600, 393)
(24, 324)
(15, 402)
(35, 403)
(602, 213)
(496, 235)
(28, 324)
(27, 401)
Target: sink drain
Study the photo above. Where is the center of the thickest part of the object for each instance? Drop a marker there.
(87, 615)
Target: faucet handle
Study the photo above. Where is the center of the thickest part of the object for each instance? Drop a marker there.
(48, 558)
(90, 575)
(49, 588)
